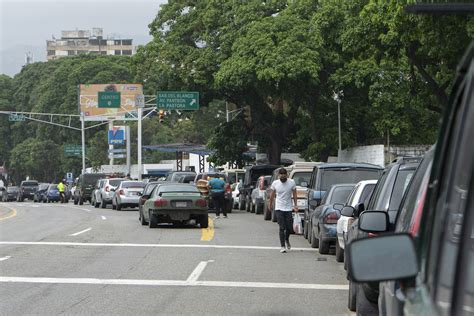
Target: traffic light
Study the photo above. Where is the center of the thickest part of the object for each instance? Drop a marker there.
(161, 115)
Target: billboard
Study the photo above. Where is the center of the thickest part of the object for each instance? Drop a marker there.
(89, 102)
(117, 135)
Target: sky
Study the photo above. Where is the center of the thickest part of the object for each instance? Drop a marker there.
(25, 25)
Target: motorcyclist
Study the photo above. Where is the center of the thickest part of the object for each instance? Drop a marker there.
(62, 190)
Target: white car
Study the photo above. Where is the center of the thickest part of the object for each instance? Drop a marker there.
(127, 194)
(235, 194)
(360, 194)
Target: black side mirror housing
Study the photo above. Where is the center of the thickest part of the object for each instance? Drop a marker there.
(374, 221)
(360, 207)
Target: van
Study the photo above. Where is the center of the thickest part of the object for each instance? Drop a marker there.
(85, 186)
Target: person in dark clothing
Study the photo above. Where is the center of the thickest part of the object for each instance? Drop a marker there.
(216, 189)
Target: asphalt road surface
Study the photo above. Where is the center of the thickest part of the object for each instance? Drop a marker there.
(66, 259)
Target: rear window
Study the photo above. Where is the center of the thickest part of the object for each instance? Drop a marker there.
(91, 179)
(300, 177)
(150, 188)
(131, 185)
(53, 186)
(401, 184)
(30, 184)
(255, 174)
(12, 189)
(178, 188)
(329, 177)
(340, 195)
(366, 193)
(115, 183)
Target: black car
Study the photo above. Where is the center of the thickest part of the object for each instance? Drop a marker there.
(9, 193)
(387, 195)
(85, 186)
(250, 179)
(436, 277)
(327, 174)
(40, 194)
(27, 190)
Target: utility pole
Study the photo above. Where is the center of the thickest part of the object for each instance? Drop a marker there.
(337, 97)
(111, 147)
(139, 156)
(83, 141)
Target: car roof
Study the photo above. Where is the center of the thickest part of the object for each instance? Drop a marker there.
(365, 182)
(348, 165)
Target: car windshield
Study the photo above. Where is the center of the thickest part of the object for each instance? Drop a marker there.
(115, 182)
(91, 179)
(12, 189)
(330, 177)
(340, 195)
(30, 184)
(300, 177)
(53, 187)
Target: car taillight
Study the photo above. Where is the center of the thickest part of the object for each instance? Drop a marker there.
(331, 218)
(201, 203)
(107, 188)
(160, 203)
(121, 192)
(372, 234)
(227, 188)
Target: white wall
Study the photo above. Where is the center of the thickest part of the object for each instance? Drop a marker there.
(374, 154)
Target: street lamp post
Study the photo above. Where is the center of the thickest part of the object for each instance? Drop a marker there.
(337, 97)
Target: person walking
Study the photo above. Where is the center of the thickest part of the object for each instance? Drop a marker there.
(62, 189)
(216, 189)
(281, 192)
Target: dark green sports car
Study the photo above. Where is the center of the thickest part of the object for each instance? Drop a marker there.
(176, 203)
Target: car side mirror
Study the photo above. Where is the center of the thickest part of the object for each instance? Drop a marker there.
(112, 190)
(373, 221)
(377, 259)
(348, 211)
(313, 203)
(317, 196)
(338, 206)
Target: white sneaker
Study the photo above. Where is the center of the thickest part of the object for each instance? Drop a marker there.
(283, 250)
(217, 217)
(225, 216)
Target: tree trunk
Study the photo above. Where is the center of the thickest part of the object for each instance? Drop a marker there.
(274, 151)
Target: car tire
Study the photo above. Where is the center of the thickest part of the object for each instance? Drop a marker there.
(323, 245)
(204, 221)
(118, 206)
(241, 204)
(339, 252)
(103, 204)
(75, 201)
(351, 301)
(252, 208)
(81, 201)
(345, 261)
(363, 305)
(274, 216)
(259, 208)
(248, 205)
(43, 200)
(142, 218)
(267, 215)
(305, 230)
(153, 223)
(313, 240)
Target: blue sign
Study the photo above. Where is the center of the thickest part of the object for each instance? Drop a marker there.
(69, 177)
(117, 136)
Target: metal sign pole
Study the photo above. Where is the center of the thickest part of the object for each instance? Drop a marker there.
(127, 135)
(83, 141)
(140, 114)
(111, 147)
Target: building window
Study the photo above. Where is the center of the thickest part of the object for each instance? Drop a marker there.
(71, 52)
(103, 52)
(127, 52)
(51, 52)
(118, 42)
(126, 42)
(117, 52)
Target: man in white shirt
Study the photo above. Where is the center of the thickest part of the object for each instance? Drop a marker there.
(283, 189)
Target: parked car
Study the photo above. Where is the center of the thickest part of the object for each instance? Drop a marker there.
(323, 221)
(235, 187)
(235, 175)
(175, 203)
(52, 194)
(257, 198)
(40, 194)
(147, 191)
(408, 221)
(85, 186)
(251, 176)
(96, 192)
(9, 193)
(106, 193)
(437, 273)
(175, 175)
(27, 190)
(360, 194)
(186, 179)
(127, 194)
(327, 174)
(386, 197)
(201, 180)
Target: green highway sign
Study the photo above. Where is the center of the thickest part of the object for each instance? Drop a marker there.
(16, 117)
(109, 99)
(72, 150)
(177, 100)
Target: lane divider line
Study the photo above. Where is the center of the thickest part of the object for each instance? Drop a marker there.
(271, 285)
(79, 244)
(5, 258)
(207, 234)
(81, 232)
(10, 214)
(103, 217)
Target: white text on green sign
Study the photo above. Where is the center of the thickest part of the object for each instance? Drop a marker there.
(109, 99)
(177, 100)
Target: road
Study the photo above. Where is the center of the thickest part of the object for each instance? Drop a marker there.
(67, 259)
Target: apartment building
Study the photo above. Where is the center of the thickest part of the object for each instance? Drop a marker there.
(78, 42)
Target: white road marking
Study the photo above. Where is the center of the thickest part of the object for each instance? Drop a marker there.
(5, 258)
(85, 209)
(103, 217)
(301, 286)
(194, 276)
(82, 231)
(44, 243)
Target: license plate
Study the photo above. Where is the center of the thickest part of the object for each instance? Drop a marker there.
(301, 202)
(181, 204)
